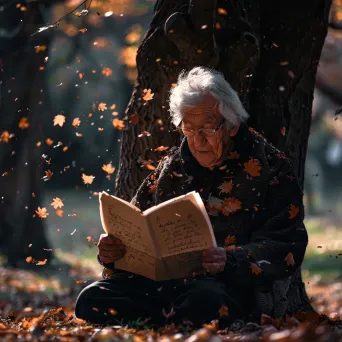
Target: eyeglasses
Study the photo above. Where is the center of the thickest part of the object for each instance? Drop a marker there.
(205, 132)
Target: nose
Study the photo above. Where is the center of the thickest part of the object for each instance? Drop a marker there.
(198, 139)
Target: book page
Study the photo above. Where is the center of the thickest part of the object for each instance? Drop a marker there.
(124, 221)
(137, 262)
(183, 265)
(181, 225)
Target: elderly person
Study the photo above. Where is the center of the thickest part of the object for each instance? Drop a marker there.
(255, 206)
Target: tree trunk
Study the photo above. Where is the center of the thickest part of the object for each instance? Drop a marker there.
(267, 50)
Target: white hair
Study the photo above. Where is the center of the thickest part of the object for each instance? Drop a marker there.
(192, 86)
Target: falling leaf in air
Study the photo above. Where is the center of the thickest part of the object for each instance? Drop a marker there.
(148, 95)
(76, 122)
(223, 311)
(289, 259)
(41, 263)
(49, 141)
(40, 48)
(42, 212)
(161, 148)
(283, 131)
(59, 120)
(23, 123)
(107, 72)
(89, 238)
(48, 174)
(59, 212)
(87, 179)
(230, 240)
(29, 259)
(233, 155)
(83, 30)
(102, 106)
(134, 119)
(293, 211)
(118, 124)
(255, 268)
(230, 206)
(108, 168)
(57, 203)
(226, 187)
(252, 167)
(4, 137)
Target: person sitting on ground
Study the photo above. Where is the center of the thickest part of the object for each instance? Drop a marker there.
(255, 205)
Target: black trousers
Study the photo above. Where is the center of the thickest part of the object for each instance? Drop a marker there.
(122, 301)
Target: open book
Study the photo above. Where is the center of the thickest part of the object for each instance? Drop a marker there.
(163, 242)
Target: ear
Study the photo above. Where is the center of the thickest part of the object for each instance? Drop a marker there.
(234, 131)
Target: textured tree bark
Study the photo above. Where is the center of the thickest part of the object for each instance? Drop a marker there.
(267, 50)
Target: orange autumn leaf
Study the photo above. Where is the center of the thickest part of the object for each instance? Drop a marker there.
(222, 11)
(102, 106)
(59, 120)
(49, 141)
(255, 268)
(230, 206)
(252, 167)
(290, 259)
(76, 122)
(41, 263)
(23, 123)
(150, 167)
(233, 155)
(293, 211)
(107, 72)
(223, 311)
(230, 240)
(83, 30)
(108, 168)
(161, 148)
(89, 238)
(4, 137)
(57, 203)
(283, 131)
(29, 259)
(40, 48)
(59, 212)
(87, 179)
(226, 187)
(48, 174)
(119, 124)
(42, 212)
(147, 95)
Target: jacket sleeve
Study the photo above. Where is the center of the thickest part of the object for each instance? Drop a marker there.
(276, 248)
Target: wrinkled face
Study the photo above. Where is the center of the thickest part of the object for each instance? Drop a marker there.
(208, 151)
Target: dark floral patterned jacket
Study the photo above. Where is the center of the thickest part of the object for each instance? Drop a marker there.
(256, 209)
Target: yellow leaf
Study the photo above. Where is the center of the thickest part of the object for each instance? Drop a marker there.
(108, 168)
(147, 95)
(57, 203)
(87, 179)
(59, 120)
(42, 212)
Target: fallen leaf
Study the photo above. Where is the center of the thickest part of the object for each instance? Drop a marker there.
(252, 167)
(108, 168)
(293, 211)
(147, 95)
(57, 203)
(289, 259)
(76, 122)
(102, 106)
(59, 120)
(42, 212)
(118, 124)
(223, 311)
(226, 187)
(255, 268)
(230, 206)
(87, 179)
